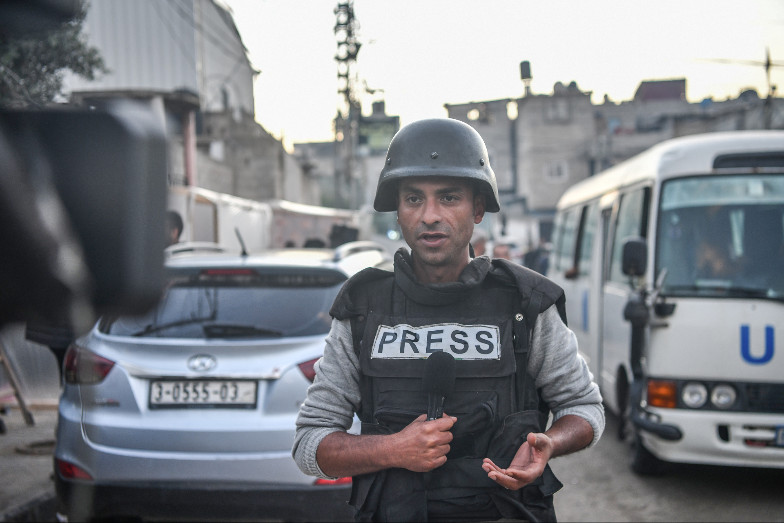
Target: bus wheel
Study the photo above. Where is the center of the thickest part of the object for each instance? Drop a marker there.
(644, 462)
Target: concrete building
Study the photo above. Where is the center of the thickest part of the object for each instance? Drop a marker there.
(187, 60)
(540, 144)
(323, 160)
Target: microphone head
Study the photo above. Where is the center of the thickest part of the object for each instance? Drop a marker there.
(439, 375)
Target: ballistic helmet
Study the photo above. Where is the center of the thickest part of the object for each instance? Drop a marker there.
(436, 147)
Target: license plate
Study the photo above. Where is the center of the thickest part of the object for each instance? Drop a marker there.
(203, 394)
(779, 441)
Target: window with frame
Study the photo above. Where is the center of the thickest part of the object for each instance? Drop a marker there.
(587, 233)
(632, 221)
(556, 171)
(566, 239)
(557, 110)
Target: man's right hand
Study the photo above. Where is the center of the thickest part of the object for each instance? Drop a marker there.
(423, 445)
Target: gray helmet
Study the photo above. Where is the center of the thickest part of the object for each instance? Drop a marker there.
(436, 147)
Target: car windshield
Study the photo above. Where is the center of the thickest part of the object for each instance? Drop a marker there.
(207, 310)
(722, 236)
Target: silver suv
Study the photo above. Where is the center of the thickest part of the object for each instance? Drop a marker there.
(188, 412)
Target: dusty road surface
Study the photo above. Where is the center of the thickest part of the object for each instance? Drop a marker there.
(600, 486)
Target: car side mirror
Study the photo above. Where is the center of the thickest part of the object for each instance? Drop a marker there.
(635, 257)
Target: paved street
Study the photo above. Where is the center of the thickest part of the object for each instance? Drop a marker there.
(27, 490)
(600, 486)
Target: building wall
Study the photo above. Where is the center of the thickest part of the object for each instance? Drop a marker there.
(553, 135)
(226, 75)
(149, 45)
(157, 50)
(491, 119)
(260, 167)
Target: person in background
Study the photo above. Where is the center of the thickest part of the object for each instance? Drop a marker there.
(479, 242)
(174, 226)
(486, 457)
(501, 250)
(314, 243)
(713, 261)
(538, 259)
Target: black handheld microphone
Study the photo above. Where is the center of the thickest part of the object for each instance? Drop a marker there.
(438, 380)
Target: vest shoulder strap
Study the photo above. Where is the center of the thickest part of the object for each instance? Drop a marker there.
(347, 302)
(537, 294)
(530, 283)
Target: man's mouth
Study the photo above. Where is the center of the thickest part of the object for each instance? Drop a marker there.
(432, 239)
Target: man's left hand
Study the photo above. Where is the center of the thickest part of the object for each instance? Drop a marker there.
(527, 464)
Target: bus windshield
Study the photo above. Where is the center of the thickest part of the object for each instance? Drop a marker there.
(722, 236)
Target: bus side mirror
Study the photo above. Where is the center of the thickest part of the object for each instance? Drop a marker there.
(635, 257)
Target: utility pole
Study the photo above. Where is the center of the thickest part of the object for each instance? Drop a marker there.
(349, 109)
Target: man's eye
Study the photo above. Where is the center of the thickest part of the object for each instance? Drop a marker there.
(450, 198)
(413, 199)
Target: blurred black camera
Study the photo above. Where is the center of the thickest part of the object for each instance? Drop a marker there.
(82, 202)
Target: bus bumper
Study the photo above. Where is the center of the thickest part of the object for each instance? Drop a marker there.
(643, 420)
(716, 438)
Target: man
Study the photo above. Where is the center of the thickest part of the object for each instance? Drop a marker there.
(502, 250)
(479, 242)
(174, 227)
(486, 457)
(538, 258)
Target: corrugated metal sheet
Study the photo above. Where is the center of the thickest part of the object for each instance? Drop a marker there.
(169, 45)
(227, 76)
(148, 45)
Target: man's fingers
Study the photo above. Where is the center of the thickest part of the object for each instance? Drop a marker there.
(488, 465)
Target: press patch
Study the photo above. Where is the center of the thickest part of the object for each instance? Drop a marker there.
(464, 342)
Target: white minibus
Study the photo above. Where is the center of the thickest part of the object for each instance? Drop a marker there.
(673, 267)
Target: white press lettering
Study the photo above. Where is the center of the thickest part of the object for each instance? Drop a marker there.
(465, 342)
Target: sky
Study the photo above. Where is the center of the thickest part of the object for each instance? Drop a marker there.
(427, 53)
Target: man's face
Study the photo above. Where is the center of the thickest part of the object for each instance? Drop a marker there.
(437, 216)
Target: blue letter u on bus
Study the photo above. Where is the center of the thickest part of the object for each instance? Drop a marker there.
(745, 346)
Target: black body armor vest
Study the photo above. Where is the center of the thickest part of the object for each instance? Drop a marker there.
(484, 320)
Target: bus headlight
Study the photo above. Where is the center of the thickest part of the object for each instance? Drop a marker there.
(694, 395)
(723, 396)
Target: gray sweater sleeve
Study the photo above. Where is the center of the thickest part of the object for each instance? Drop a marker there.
(332, 399)
(561, 373)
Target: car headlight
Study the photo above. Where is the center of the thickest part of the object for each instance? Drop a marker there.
(723, 396)
(694, 395)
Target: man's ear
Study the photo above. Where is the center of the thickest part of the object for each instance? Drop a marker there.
(479, 207)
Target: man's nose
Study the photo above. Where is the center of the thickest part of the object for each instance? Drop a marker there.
(431, 211)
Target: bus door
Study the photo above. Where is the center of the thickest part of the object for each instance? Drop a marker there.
(630, 220)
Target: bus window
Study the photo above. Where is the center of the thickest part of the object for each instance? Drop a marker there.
(556, 239)
(632, 221)
(722, 236)
(564, 249)
(587, 233)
